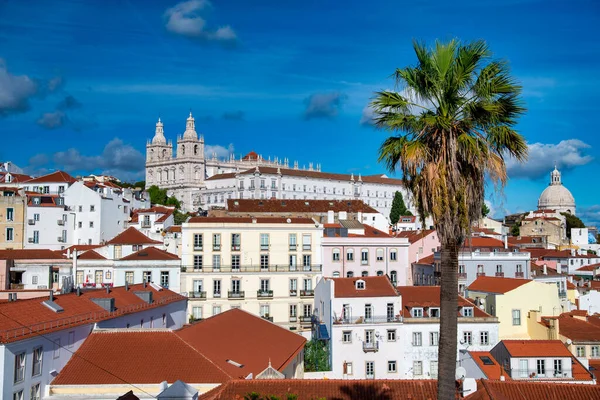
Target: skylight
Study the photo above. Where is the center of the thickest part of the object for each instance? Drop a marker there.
(234, 363)
(486, 360)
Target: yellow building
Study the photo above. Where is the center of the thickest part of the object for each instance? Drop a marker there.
(512, 299)
(12, 218)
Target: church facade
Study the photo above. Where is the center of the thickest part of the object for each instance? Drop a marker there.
(203, 182)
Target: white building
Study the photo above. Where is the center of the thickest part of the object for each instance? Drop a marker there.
(34, 269)
(153, 222)
(200, 181)
(266, 266)
(38, 336)
(378, 331)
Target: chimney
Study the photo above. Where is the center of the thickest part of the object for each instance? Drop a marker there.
(359, 216)
(330, 217)
(51, 296)
(78, 291)
(505, 241)
(545, 269)
(126, 286)
(343, 215)
(107, 289)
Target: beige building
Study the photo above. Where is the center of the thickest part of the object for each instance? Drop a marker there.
(551, 227)
(12, 217)
(266, 266)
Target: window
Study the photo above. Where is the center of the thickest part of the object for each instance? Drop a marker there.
(393, 255)
(391, 367)
(9, 234)
(265, 311)
(467, 338)
(37, 361)
(347, 336)
(349, 274)
(197, 241)
(417, 312)
(216, 242)
(197, 312)
(129, 277)
(364, 256)
(18, 395)
(307, 284)
(370, 370)
(92, 208)
(394, 277)
(293, 262)
(10, 214)
(264, 241)
(499, 269)
(216, 310)
(336, 255)
(541, 367)
(19, 367)
(417, 339)
(516, 317)
(368, 312)
(557, 367)
(235, 262)
(147, 276)
(350, 254)
(235, 286)
(35, 392)
(264, 285)
(307, 310)
(379, 254)
(80, 224)
(391, 335)
(216, 262)
(197, 262)
(484, 337)
(306, 261)
(595, 351)
(347, 368)
(580, 351)
(434, 338)
(417, 368)
(91, 224)
(306, 242)
(264, 261)
(293, 241)
(293, 311)
(434, 312)
(36, 236)
(217, 288)
(71, 339)
(236, 241)
(364, 273)
(164, 279)
(467, 311)
(57, 348)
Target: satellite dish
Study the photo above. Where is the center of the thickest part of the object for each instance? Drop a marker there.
(461, 372)
(288, 221)
(569, 341)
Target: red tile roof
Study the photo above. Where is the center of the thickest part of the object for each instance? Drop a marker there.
(138, 357)
(369, 231)
(165, 211)
(578, 330)
(590, 267)
(415, 236)
(297, 206)
(30, 254)
(492, 284)
(91, 255)
(174, 228)
(515, 390)
(429, 296)
(484, 243)
(78, 310)
(46, 200)
(132, 236)
(536, 348)
(570, 286)
(54, 177)
(494, 371)
(16, 178)
(245, 339)
(82, 247)
(249, 220)
(330, 389)
(429, 260)
(375, 286)
(250, 156)
(150, 254)
(595, 370)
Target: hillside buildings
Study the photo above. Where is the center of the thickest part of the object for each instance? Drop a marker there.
(12, 217)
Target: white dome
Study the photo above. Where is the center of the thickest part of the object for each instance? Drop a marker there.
(556, 196)
(159, 134)
(190, 129)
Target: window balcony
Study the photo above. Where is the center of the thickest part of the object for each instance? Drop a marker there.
(197, 295)
(315, 268)
(61, 222)
(377, 319)
(268, 318)
(307, 293)
(216, 247)
(235, 294)
(462, 275)
(519, 274)
(480, 274)
(370, 347)
(306, 247)
(293, 292)
(264, 247)
(197, 248)
(534, 374)
(217, 294)
(293, 247)
(500, 274)
(305, 319)
(293, 318)
(146, 224)
(264, 294)
(236, 247)
(562, 294)
(364, 262)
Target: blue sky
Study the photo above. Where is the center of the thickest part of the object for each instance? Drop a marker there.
(83, 82)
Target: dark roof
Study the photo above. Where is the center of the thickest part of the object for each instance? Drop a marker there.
(297, 206)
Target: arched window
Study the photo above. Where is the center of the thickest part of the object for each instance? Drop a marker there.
(164, 153)
(350, 255)
(196, 150)
(182, 150)
(336, 274)
(349, 274)
(379, 254)
(394, 277)
(336, 255)
(364, 273)
(379, 273)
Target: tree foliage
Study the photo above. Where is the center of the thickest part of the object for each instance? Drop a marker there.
(398, 208)
(157, 195)
(515, 230)
(316, 356)
(485, 210)
(452, 127)
(572, 221)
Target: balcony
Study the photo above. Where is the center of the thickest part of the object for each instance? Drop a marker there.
(293, 318)
(17, 286)
(146, 224)
(197, 295)
(480, 274)
(253, 268)
(307, 293)
(306, 247)
(293, 292)
(562, 294)
(235, 247)
(217, 294)
(293, 247)
(264, 294)
(534, 374)
(216, 247)
(197, 248)
(267, 318)
(500, 274)
(61, 222)
(235, 294)
(519, 275)
(370, 347)
(378, 319)
(305, 319)
(462, 275)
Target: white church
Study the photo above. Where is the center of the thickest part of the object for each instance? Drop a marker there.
(202, 182)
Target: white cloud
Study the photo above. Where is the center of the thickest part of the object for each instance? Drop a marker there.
(15, 91)
(567, 154)
(185, 19)
(323, 105)
(220, 151)
(368, 116)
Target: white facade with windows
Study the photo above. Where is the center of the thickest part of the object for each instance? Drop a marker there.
(266, 266)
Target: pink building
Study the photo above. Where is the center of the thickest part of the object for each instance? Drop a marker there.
(423, 243)
(353, 249)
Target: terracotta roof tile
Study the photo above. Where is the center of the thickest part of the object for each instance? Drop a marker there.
(132, 236)
(595, 370)
(30, 254)
(571, 286)
(297, 206)
(589, 267)
(78, 310)
(137, 356)
(248, 220)
(91, 255)
(429, 296)
(492, 284)
(535, 348)
(494, 371)
(16, 178)
(221, 338)
(578, 330)
(82, 247)
(415, 236)
(429, 260)
(514, 390)
(58, 176)
(150, 254)
(174, 228)
(334, 389)
(375, 286)
(484, 243)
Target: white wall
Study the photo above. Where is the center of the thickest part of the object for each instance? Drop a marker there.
(590, 302)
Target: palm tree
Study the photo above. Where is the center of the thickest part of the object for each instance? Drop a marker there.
(453, 119)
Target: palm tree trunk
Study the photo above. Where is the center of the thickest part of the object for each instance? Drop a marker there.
(448, 322)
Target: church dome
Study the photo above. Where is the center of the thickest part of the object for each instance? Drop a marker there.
(159, 134)
(190, 129)
(556, 196)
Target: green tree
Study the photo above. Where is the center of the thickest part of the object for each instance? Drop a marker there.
(572, 222)
(398, 208)
(172, 201)
(452, 126)
(485, 210)
(157, 195)
(179, 217)
(140, 184)
(316, 356)
(515, 230)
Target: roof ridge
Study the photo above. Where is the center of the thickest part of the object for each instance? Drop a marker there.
(202, 355)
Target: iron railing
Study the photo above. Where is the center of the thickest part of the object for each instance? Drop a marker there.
(268, 294)
(307, 293)
(253, 268)
(235, 294)
(547, 373)
(370, 347)
(379, 319)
